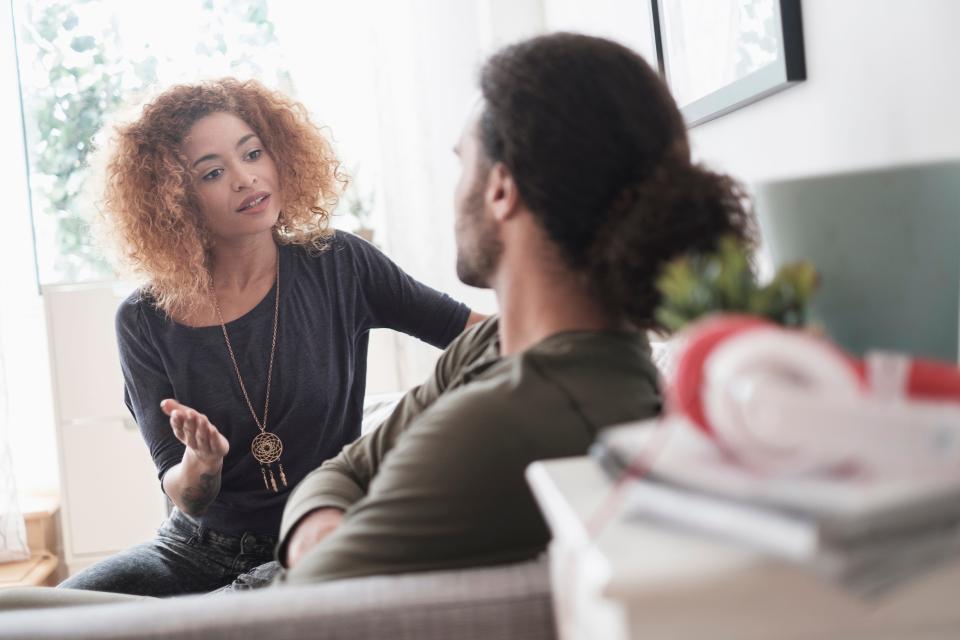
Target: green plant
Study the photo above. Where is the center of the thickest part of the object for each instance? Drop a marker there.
(723, 281)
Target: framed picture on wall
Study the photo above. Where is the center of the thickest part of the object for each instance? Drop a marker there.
(720, 55)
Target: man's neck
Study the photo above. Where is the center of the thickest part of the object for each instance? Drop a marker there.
(539, 298)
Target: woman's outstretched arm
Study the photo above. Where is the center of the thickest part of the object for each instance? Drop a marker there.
(194, 483)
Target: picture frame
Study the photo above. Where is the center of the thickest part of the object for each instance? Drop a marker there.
(720, 55)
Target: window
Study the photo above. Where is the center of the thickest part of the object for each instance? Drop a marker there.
(81, 63)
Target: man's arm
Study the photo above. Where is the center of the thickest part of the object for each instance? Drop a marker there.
(451, 493)
(345, 479)
(315, 506)
(312, 528)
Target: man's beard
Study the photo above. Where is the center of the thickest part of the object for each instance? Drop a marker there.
(478, 246)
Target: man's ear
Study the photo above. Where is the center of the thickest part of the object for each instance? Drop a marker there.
(502, 197)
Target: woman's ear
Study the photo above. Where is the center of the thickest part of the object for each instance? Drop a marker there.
(502, 197)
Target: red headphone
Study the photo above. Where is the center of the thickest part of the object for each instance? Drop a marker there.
(783, 399)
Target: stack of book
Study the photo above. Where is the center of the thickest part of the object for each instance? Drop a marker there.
(869, 532)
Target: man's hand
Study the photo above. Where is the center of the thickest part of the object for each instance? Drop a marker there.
(313, 528)
(195, 431)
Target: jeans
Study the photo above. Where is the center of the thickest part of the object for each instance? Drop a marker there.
(184, 558)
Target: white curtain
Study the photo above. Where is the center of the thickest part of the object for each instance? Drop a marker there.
(16, 252)
(13, 534)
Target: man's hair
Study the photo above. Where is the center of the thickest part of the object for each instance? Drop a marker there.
(599, 153)
(150, 206)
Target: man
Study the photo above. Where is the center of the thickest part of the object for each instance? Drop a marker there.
(575, 188)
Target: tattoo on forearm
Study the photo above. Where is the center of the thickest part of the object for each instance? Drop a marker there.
(196, 499)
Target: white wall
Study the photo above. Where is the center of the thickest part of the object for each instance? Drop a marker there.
(882, 89)
(501, 22)
(23, 338)
(629, 23)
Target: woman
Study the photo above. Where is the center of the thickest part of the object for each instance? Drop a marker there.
(244, 356)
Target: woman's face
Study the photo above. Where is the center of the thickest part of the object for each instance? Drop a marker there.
(235, 178)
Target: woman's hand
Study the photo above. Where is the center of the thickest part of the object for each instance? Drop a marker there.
(195, 431)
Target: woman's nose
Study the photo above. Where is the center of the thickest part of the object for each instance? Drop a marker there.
(244, 180)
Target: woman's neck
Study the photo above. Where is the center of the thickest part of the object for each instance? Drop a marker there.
(237, 266)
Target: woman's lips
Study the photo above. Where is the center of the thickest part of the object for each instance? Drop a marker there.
(255, 203)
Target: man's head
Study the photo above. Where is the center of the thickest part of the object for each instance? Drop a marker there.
(582, 133)
(479, 246)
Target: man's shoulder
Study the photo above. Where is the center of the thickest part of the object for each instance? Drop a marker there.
(594, 377)
(506, 415)
(469, 346)
(483, 406)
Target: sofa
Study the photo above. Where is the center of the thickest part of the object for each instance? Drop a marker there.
(508, 602)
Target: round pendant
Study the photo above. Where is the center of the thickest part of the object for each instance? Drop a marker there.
(266, 448)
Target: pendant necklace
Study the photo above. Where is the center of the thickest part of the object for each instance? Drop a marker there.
(266, 446)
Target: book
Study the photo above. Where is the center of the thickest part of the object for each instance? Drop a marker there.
(869, 533)
(845, 505)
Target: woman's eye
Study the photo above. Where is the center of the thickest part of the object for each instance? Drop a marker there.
(254, 154)
(212, 175)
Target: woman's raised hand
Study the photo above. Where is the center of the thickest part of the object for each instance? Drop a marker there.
(193, 429)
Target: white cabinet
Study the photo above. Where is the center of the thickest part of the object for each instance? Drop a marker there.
(111, 498)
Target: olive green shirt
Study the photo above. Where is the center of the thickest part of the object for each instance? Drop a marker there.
(440, 484)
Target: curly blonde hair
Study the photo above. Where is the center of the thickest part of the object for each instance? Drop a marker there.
(150, 204)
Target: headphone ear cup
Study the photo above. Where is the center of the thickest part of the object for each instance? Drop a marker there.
(751, 379)
(697, 342)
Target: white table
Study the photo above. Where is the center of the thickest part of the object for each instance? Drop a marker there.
(642, 580)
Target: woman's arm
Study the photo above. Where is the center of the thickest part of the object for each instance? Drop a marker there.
(474, 318)
(393, 299)
(145, 384)
(194, 483)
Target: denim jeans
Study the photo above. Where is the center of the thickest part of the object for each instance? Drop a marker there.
(184, 558)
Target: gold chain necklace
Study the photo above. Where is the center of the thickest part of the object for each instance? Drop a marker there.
(266, 447)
